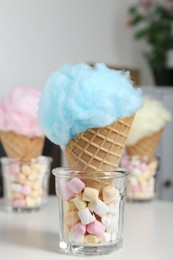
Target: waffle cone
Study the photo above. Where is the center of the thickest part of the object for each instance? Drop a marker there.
(99, 149)
(20, 146)
(146, 146)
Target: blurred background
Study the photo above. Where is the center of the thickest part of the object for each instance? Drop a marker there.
(38, 36)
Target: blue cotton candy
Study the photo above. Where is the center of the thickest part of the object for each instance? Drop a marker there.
(78, 97)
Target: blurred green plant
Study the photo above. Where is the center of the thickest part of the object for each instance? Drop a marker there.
(153, 23)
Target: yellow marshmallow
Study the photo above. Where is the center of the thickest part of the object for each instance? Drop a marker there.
(16, 195)
(36, 167)
(26, 170)
(72, 217)
(20, 178)
(91, 239)
(30, 202)
(109, 194)
(69, 206)
(79, 203)
(90, 194)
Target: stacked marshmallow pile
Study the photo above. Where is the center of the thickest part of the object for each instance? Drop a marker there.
(141, 181)
(25, 184)
(90, 217)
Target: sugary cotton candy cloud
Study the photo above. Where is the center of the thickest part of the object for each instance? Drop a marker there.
(78, 97)
(151, 118)
(18, 112)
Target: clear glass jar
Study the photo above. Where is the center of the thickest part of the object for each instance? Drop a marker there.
(141, 184)
(25, 183)
(91, 210)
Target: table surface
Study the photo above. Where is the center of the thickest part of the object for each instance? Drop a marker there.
(148, 233)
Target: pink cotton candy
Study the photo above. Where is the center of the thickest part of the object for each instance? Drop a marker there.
(18, 112)
(96, 228)
(79, 229)
(76, 185)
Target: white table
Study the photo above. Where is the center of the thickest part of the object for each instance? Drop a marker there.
(148, 233)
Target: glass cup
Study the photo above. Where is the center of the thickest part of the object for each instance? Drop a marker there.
(25, 183)
(141, 184)
(91, 210)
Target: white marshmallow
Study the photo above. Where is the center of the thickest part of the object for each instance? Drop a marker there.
(136, 171)
(100, 208)
(113, 208)
(75, 238)
(16, 187)
(133, 181)
(106, 237)
(114, 236)
(85, 216)
(110, 222)
(106, 220)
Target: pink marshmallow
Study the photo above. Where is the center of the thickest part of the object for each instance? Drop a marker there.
(76, 185)
(79, 229)
(12, 169)
(20, 203)
(96, 228)
(143, 167)
(124, 161)
(67, 192)
(26, 190)
(136, 188)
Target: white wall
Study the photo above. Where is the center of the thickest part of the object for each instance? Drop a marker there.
(38, 36)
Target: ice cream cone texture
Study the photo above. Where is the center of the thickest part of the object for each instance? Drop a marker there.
(20, 132)
(88, 111)
(147, 128)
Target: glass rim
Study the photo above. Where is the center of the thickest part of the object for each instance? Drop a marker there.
(65, 172)
(6, 160)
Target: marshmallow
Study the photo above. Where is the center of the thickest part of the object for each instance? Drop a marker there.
(17, 195)
(136, 171)
(100, 208)
(69, 206)
(76, 185)
(26, 170)
(110, 222)
(26, 190)
(114, 236)
(33, 176)
(67, 192)
(20, 178)
(106, 220)
(79, 203)
(143, 167)
(114, 208)
(133, 181)
(79, 229)
(30, 202)
(12, 169)
(20, 203)
(35, 167)
(96, 228)
(90, 194)
(91, 239)
(136, 188)
(85, 216)
(75, 238)
(16, 187)
(109, 194)
(105, 237)
(72, 217)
